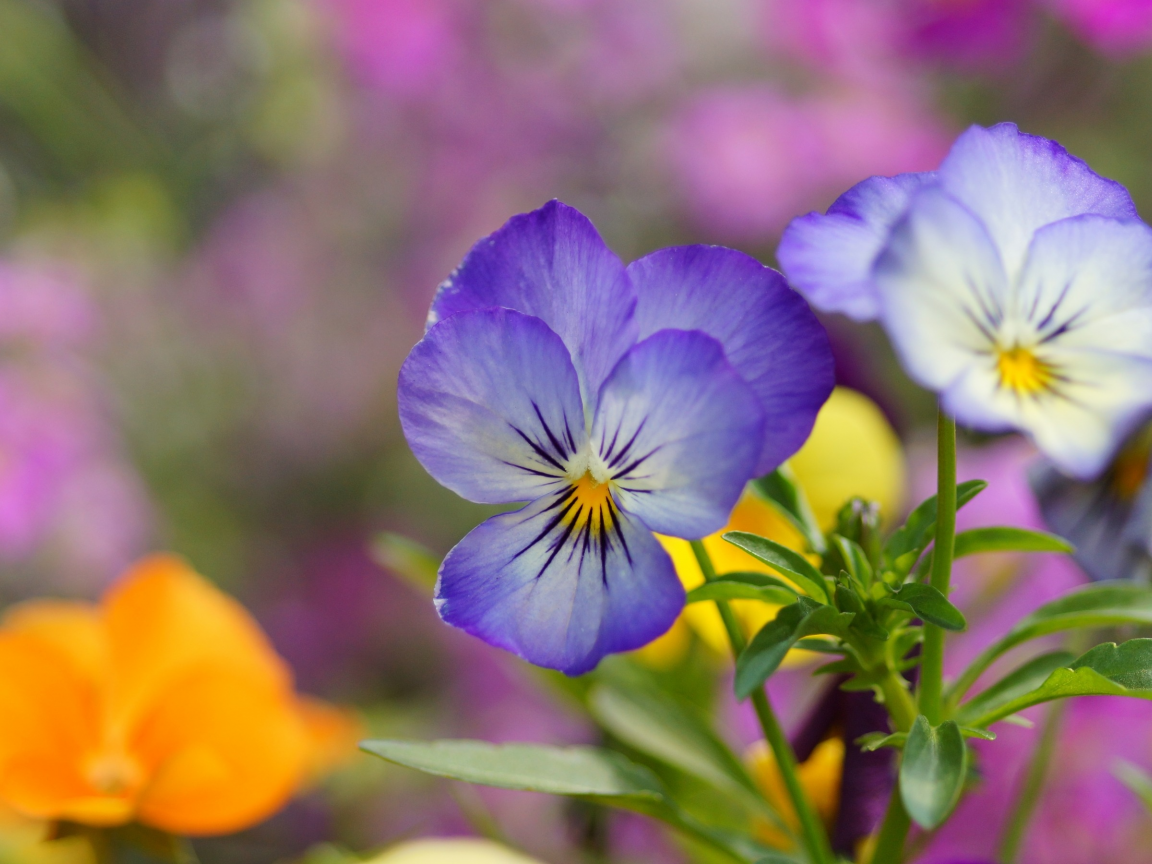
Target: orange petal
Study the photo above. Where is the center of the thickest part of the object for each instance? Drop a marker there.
(164, 620)
(76, 630)
(224, 754)
(49, 724)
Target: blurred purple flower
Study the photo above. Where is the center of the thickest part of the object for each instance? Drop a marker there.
(971, 35)
(748, 159)
(1117, 28)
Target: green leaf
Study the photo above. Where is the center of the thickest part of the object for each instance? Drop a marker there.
(1106, 670)
(407, 559)
(782, 491)
(918, 528)
(723, 588)
(1102, 604)
(765, 652)
(855, 560)
(933, 771)
(1136, 779)
(777, 858)
(875, 740)
(1004, 539)
(848, 601)
(928, 604)
(790, 563)
(1015, 684)
(653, 723)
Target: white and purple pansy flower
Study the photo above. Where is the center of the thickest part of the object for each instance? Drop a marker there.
(616, 401)
(1013, 280)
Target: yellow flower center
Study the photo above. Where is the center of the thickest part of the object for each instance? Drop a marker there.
(590, 500)
(1022, 371)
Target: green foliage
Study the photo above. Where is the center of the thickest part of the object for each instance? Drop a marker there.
(781, 490)
(927, 603)
(587, 773)
(406, 558)
(1015, 684)
(1136, 779)
(906, 543)
(744, 586)
(788, 562)
(1106, 670)
(765, 652)
(933, 771)
(1007, 539)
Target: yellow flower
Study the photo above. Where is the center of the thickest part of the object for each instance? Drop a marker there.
(819, 775)
(165, 705)
(852, 451)
(454, 851)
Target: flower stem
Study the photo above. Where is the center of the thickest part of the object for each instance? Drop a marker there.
(932, 663)
(1029, 794)
(815, 836)
(893, 831)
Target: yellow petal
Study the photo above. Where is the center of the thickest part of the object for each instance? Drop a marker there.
(454, 851)
(820, 776)
(667, 650)
(76, 630)
(852, 450)
(165, 620)
(333, 734)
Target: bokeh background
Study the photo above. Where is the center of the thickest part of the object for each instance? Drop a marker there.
(221, 224)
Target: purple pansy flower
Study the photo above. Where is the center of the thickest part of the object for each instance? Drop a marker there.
(1013, 280)
(616, 402)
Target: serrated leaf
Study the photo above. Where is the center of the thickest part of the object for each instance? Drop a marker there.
(822, 646)
(1007, 539)
(1015, 684)
(928, 604)
(406, 558)
(728, 589)
(1102, 604)
(782, 491)
(582, 772)
(653, 723)
(1106, 670)
(788, 562)
(933, 771)
(767, 649)
(916, 532)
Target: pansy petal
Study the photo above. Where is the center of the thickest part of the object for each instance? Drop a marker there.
(942, 288)
(828, 258)
(552, 264)
(1016, 183)
(1087, 283)
(560, 586)
(679, 431)
(769, 335)
(490, 405)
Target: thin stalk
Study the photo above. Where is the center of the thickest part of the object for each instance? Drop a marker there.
(1029, 795)
(898, 701)
(932, 662)
(889, 847)
(812, 829)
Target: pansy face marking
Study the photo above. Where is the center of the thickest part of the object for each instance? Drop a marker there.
(1014, 281)
(616, 402)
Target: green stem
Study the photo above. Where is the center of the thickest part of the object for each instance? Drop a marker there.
(815, 836)
(893, 831)
(1029, 794)
(898, 701)
(932, 662)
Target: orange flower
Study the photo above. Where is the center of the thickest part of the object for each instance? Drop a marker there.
(165, 704)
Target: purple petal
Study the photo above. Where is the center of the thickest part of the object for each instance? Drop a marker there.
(770, 336)
(560, 589)
(490, 405)
(553, 264)
(829, 258)
(679, 431)
(1017, 183)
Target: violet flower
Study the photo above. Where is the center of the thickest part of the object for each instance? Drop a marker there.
(615, 401)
